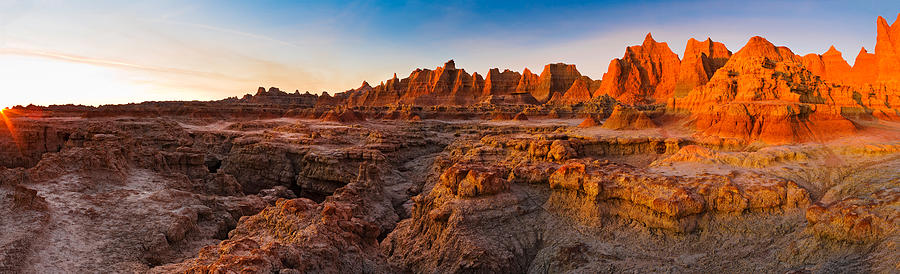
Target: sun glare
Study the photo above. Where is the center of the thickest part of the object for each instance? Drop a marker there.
(42, 81)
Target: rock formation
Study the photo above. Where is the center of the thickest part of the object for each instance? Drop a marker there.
(628, 118)
(646, 73)
(580, 91)
(448, 85)
(528, 83)
(765, 95)
(498, 83)
(276, 96)
(588, 122)
(767, 151)
(301, 235)
(865, 68)
(831, 66)
(555, 79)
(887, 50)
(701, 60)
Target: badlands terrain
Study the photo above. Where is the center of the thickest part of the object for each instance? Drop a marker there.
(759, 160)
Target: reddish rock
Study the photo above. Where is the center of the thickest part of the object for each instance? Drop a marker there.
(580, 91)
(836, 68)
(813, 62)
(887, 50)
(511, 99)
(758, 47)
(346, 116)
(628, 118)
(647, 73)
(589, 122)
(553, 114)
(327, 100)
(387, 93)
(501, 116)
(445, 85)
(528, 83)
(766, 95)
(831, 66)
(555, 79)
(500, 83)
(865, 68)
(701, 60)
(521, 117)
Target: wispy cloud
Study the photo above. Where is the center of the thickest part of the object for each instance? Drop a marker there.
(115, 64)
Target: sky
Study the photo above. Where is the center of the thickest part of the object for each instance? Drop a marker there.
(111, 52)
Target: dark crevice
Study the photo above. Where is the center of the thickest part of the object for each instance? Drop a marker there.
(316, 196)
(213, 164)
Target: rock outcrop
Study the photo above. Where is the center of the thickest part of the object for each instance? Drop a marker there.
(444, 85)
(555, 79)
(623, 118)
(764, 93)
(701, 60)
(865, 68)
(338, 235)
(831, 66)
(450, 86)
(887, 50)
(857, 219)
(498, 83)
(588, 122)
(528, 83)
(661, 202)
(580, 91)
(646, 73)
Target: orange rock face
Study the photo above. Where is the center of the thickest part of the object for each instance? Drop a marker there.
(450, 86)
(589, 122)
(528, 83)
(700, 62)
(580, 91)
(512, 99)
(520, 117)
(831, 66)
(500, 83)
(445, 85)
(346, 116)
(759, 47)
(555, 79)
(865, 68)
(628, 118)
(765, 93)
(836, 68)
(646, 73)
(887, 50)
(813, 62)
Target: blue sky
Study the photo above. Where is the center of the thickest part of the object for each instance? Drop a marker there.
(98, 52)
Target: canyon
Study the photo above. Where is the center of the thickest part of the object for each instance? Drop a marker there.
(716, 161)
